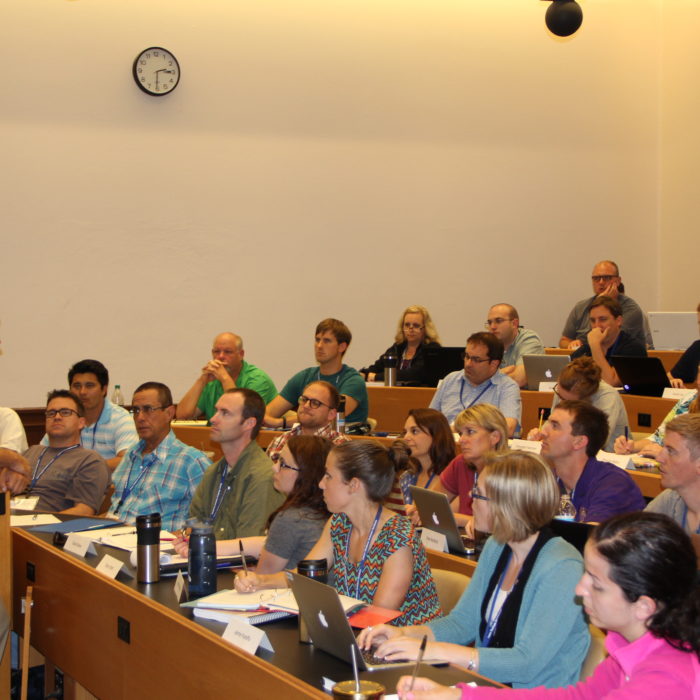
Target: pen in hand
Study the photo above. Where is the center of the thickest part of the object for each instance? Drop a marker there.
(421, 651)
(240, 547)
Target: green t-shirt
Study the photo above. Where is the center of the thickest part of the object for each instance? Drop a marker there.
(348, 381)
(251, 377)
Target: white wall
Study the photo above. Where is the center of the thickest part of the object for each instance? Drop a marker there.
(318, 158)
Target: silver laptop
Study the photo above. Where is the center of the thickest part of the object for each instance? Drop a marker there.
(673, 330)
(543, 368)
(436, 514)
(328, 626)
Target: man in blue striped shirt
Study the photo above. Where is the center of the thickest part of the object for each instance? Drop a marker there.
(159, 474)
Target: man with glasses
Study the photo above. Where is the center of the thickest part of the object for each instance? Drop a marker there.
(606, 282)
(63, 476)
(226, 370)
(503, 321)
(159, 474)
(237, 493)
(480, 382)
(331, 341)
(318, 407)
(108, 429)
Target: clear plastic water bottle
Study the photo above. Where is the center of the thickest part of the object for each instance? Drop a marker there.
(567, 510)
(117, 396)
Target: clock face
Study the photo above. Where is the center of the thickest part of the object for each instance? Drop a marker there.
(156, 71)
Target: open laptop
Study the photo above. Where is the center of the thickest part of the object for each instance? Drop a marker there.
(543, 368)
(436, 514)
(328, 625)
(673, 330)
(644, 376)
(440, 361)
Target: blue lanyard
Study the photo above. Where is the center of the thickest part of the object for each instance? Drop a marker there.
(35, 476)
(429, 481)
(94, 429)
(361, 565)
(146, 464)
(479, 395)
(491, 618)
(684, 524)
(219, 500)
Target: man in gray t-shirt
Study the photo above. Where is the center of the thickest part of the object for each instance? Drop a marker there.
(66, 477)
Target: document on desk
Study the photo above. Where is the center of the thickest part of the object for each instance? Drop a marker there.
(125, 538)
(31, 520)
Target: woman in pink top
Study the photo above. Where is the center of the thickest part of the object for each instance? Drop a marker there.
(640, 584)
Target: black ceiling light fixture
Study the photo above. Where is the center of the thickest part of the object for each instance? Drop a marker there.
(563, 17)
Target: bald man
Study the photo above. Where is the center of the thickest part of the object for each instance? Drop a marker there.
(226, 370)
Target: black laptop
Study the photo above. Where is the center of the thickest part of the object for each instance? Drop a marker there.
(440, 361)
(644, 376)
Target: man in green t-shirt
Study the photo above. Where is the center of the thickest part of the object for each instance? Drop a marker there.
(226, 370)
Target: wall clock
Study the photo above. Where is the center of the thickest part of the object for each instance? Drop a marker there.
(156, 71)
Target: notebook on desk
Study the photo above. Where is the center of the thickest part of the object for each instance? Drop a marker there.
(543, 368)
(436, 514)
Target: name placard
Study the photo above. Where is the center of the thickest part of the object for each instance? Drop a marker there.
(80, 546)
(433, 540)
(109, 566)
(246, 636)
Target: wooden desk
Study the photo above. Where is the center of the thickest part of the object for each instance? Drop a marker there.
(75, 623)
(390, 405)
(451, 562)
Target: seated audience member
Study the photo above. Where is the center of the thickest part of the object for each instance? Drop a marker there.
(330, 344)
(639, 585)
(66, 477)
(159, 474)
(606, 282)
(651, 446)
(373, 553)
(680, 474)
(318, 407)
(12, 435)
(428, 436)
(519, 612)
(503, 321)
(294, 528)
(416, 332)
(226, 370)
(108, 429)
(571, 439)
(237, 492)
(580, 381)
(606, 339)
(686, 369)
(480, 382)
(482, 430)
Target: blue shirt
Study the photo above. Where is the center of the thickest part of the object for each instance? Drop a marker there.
(167, 485)
(456, 393)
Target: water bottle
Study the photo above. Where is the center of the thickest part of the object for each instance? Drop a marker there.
(316, 569)
(117, 396)
(201, 562)
(340, 417)
(148, 548)
(391, 363)
(567, 510)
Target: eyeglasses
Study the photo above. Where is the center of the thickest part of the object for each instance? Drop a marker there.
(146, 410)
(63, 412)
(495, 322)
(315, 403)
(476, 360)
(603, 278)
(478, 495)
(413, 327)
(285, 465)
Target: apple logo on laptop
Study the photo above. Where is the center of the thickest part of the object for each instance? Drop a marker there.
(548, 374)
(322, 619)
(435, 519)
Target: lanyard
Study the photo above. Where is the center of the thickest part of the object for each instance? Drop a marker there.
(479, 395)
(428, 482)
(35, 476)
(493, 615)
(324, 377)
(94, 431)
(146, 464)
(684, 524)
(361, 565)
(218, 501)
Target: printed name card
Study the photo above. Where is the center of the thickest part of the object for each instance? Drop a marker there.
(677, 394)
(179, 586)
(246, 636)
(534, 446)
(24, 502)
(75, 544)
(547, 386)
(433, 540)
(110, 566)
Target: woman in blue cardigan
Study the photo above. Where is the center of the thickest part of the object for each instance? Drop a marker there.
(518, 621)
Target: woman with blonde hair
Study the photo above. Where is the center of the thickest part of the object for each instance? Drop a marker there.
(415, 332)
(518, 621)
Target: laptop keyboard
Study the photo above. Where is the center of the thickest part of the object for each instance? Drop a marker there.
(371, 660)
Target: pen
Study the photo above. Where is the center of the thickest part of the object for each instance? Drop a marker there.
(240, 546)
(627, 432)
(541, 418)
(421, 651)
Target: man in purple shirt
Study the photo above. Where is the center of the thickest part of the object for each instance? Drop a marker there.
(572, 437)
